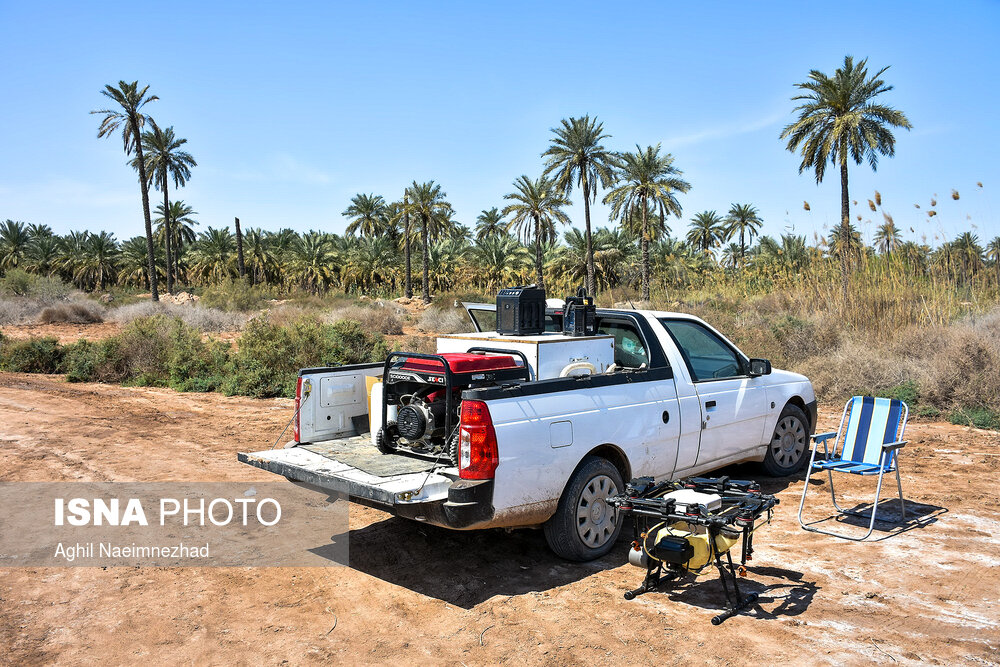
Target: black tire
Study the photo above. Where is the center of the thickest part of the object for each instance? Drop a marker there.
(788, 449)
(582, 539)
(385, 439)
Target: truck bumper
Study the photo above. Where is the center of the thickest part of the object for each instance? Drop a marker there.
(428, 496)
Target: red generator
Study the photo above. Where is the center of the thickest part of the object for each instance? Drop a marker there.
(422, 396)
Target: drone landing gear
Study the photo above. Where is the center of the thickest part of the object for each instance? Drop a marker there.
(735, 602)
(729, 573)
(654, 577)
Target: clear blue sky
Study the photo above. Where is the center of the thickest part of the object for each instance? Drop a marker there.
(290, 109)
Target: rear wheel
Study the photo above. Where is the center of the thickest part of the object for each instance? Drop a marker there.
(585, 526)
(789, 447)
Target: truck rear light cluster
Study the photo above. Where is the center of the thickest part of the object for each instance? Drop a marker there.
(477, 442)
(298, 405)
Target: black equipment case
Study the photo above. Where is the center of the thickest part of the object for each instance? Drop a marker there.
(521, 311)
(580, 315)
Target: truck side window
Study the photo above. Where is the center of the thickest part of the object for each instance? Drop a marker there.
(707, 356)
(630, 350)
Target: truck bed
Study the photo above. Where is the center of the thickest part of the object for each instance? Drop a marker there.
(350, 465)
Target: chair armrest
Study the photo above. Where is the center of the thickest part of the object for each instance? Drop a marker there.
(889, 446)
(823, 437)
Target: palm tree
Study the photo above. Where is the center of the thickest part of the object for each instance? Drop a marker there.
(15, 242)
(427, 202)
(706, 231)
(743, 220)
(499, 260)
(993, 254)
(576, 156)
(839, 121)
(39, 231)
(166, 161)
(371, 263)
(181, 228)
(100, 257)
(130, 120)
(537, 203)
(888, 237)
(970, 254)
(312, 261)
(646, 179)
(446, 258)
(732, 255)
(133, 267)
(490, 223)
(213, 256)
(43, 255)
(367, 214)
(404, 212)
(839, 239)
(259, 257)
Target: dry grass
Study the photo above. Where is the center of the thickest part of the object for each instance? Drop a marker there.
(200, 317)
(386, 318)
(444, 321)
(72, 313)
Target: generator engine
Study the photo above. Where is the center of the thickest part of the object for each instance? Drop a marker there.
(422, 396)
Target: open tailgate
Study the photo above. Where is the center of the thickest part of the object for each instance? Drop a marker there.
(351, 465)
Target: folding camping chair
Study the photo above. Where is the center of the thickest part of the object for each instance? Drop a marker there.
(873, 434)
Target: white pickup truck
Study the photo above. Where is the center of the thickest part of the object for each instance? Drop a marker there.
(679, 400)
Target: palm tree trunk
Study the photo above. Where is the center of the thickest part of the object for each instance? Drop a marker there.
(239, 251)
(406, 250)
(427, 256)
(166, 233)
(845, 229)
(539, 278)
(645, 250)
(144, 186)
(591, 287)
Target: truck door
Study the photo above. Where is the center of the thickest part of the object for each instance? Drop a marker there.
(632, 350)
(732, 403)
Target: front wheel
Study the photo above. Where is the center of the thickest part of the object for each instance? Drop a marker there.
(789, 447)
(585, 526)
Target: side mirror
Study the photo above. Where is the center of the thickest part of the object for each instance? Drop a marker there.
(759, 367)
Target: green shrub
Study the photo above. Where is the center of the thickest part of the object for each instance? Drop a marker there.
(907, 391)
(234, 295)
(100, 361)
(928, 411)
(270, 356)
(21, 283)
(35, 355)
(978, 416)
(195, 364)
(350, 343)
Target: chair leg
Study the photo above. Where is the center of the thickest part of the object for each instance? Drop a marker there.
(871, 522)
(902, 505)
(805, 489)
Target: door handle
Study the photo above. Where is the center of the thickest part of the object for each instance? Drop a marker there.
(710, 404)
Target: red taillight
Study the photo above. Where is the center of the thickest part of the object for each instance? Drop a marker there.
(298, 405)
(477, 442)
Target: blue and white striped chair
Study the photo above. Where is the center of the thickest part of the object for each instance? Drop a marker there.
(873, 435)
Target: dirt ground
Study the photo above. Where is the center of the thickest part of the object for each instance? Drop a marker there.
(423, 595)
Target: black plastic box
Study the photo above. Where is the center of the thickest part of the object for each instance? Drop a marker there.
(580, 315)
(521, 311)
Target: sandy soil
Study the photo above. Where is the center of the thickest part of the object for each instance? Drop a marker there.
(66, 333)
(425, 595)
